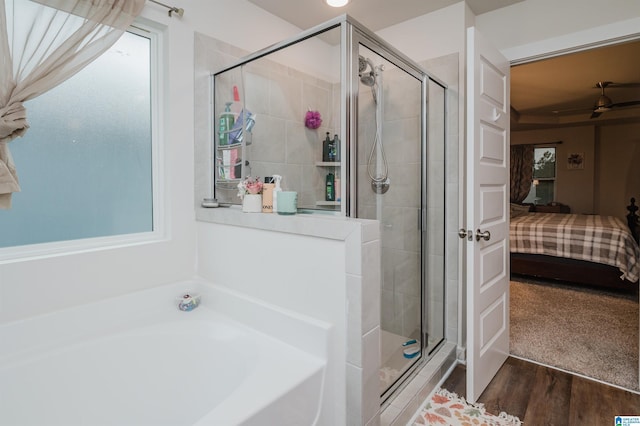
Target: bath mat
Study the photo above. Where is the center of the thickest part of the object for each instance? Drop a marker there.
(447, 408)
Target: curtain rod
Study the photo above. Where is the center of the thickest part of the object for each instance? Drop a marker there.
(172, 9)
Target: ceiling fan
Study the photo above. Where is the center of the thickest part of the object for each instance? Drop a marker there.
(604, 103)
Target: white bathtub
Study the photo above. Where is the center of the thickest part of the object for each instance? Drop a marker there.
(138, 360)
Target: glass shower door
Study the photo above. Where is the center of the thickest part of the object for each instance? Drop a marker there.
(389, 189)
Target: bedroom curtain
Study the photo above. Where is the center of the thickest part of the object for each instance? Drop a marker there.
(521, 172)
(42, 44)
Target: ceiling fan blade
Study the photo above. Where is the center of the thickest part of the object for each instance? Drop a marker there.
(572, 110)
(625, 104)
(595, 114)
(614, 85)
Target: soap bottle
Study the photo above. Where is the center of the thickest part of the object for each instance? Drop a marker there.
(226, 123)
(330, 189)
(267, 195)
(336, 148)
(326, 148)
(276, 189)
(251, 121)
(337, 188)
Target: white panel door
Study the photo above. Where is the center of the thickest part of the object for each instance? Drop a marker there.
(487, 198)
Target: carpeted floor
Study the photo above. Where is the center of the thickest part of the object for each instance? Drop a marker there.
(584, 331)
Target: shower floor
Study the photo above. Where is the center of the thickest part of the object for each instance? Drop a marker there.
(394, 364)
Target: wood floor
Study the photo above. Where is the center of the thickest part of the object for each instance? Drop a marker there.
(544, 396)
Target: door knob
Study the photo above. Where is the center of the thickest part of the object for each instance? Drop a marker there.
(464, 233)
(486, 235)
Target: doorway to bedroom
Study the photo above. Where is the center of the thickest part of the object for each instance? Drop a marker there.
(555, 105)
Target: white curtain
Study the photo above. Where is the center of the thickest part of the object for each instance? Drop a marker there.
(43, 43)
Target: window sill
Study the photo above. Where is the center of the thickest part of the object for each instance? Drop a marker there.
(63, 248)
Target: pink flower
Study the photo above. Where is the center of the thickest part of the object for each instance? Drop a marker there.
(312, 120)
(254, 187)
(251, 185)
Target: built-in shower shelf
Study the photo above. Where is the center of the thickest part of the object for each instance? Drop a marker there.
(327, 203)
(328, 163)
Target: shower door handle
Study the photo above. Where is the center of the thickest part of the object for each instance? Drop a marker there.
(486, 235)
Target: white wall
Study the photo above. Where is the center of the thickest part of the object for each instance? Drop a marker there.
(535, 27)
(436, 34)
(300, 273)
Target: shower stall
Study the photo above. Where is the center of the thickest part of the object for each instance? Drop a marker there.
(384, 118)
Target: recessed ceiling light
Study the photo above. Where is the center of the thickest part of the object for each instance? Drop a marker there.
(337, 3)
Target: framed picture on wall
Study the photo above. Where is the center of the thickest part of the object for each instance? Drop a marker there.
(575, 161)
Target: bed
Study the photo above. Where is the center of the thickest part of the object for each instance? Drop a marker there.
(584, 249)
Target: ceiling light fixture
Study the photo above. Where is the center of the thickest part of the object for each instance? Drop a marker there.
(337, 3)
(604, 102)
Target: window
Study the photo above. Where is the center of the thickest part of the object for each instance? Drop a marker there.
(85, 164)
(544, 176)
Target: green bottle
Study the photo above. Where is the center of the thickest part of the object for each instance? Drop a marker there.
(226, 124)
(330, 188)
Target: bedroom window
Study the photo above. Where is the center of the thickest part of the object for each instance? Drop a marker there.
(86, 162)
(544, 176)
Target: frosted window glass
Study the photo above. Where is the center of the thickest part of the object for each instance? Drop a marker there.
(85, 163)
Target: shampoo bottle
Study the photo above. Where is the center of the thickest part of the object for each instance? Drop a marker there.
(277, 189)
(267, 195)
(326, 147)
(225, 125)
(336, 148)
(330, 188)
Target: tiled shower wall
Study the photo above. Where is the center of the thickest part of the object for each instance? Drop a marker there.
(398, 208)
(281, 143)
(280, 97)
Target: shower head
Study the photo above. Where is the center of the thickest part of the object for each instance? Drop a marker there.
(367, 78)
(362, 64)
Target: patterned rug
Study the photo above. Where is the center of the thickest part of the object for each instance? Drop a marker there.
(447, 408)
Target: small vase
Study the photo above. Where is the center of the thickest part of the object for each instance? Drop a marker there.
(252, 203)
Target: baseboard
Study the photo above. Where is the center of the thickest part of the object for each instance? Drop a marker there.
(461, 354)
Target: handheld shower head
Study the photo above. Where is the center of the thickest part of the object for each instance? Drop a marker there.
(369, 78)
(362, 64)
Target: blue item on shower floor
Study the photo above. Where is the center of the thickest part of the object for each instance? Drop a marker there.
(411, 352)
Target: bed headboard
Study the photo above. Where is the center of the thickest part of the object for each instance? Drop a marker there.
(633, 220)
